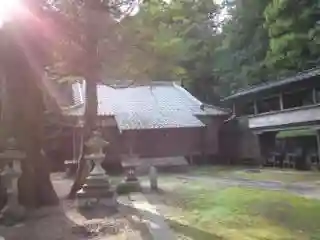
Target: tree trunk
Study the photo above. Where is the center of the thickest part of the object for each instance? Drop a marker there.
(91, 76)
(90, 124)
(27, 122)
(23, 57)
(32, 138)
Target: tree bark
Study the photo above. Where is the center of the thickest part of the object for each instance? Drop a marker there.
(90, 124)
(91, 76)
(90, 114)
(27, 123)
(37, 170)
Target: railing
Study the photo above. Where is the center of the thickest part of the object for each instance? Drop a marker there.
(293, 116)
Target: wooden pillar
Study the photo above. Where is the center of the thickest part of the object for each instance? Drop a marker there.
(318, 142)
(255, 106)
(234, 109)
(74, 151)
(281, 101)
(314, 96)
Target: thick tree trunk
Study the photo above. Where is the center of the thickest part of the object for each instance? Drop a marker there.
(27, 121)
(23, 56)
(36, 174)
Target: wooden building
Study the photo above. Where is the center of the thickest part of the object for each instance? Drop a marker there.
(284, 109)
(157, 120)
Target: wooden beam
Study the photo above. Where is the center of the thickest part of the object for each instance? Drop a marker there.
(234, 109)
(318, 142)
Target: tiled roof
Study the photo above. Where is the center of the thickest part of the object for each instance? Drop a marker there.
(268, 85)
(161, 105)
(156, 119)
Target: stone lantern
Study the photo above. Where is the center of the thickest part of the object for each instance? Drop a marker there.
(97, 189)
(131, 182)
(11, 159)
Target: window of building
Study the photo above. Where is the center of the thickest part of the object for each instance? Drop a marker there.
(244, 109)
(298, 99)
(248, 109)
(317, 92)
(268, 104)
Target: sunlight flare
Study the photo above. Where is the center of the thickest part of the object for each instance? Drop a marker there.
(9, 9)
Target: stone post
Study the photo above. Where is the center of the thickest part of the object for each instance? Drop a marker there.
(153, 176)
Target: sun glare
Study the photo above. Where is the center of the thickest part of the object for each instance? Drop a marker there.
(8, 9)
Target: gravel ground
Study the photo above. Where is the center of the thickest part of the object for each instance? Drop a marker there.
(66, 222)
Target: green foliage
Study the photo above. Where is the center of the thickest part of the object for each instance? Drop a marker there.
(179, 40)
(188, 40)
(218, 49)
(294, 34)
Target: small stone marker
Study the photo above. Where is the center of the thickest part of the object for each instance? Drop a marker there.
(153, 176)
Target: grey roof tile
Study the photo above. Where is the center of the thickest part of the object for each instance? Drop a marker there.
(165, 105)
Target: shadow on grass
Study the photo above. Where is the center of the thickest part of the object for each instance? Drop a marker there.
(192, 232)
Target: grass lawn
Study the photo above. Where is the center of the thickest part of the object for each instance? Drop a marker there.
(266, 174)
(234, 213)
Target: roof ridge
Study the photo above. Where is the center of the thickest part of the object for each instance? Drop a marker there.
(187, 94)
(280, 81)
(227, 110)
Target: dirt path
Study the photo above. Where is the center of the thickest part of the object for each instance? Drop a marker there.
(308, 190)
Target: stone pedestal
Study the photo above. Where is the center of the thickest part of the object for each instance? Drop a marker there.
(131, 182)
(97, 189)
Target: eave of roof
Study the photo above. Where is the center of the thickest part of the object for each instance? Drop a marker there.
(269, 85)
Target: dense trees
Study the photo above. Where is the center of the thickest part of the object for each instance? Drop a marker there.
(217, 49)
(178, 39)
(240, 56)
(293, 28)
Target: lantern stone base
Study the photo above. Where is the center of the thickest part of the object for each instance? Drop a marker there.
(96, 197)
(96, 191)
(12, 215)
